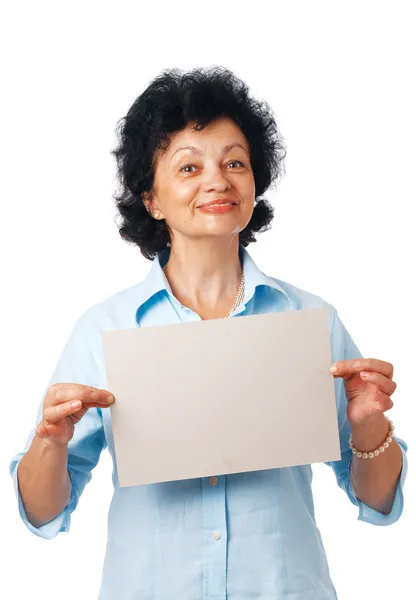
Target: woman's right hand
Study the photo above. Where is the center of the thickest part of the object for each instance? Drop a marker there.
(64, 405)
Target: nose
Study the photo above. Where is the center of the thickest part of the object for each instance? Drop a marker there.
(215, 180)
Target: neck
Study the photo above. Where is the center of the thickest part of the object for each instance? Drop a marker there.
(204, 275)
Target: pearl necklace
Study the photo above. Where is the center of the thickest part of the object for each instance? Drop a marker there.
(239, 295)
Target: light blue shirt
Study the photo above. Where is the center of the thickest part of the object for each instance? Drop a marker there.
(240, 536)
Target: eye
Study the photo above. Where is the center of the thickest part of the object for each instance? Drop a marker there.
(187, 167)
(233, 162)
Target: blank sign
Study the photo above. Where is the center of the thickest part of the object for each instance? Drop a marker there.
(222, 396)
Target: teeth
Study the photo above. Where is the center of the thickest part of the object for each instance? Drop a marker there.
(221, 204)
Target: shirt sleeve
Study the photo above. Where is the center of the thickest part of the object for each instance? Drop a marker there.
(344, 348)
(77, 364)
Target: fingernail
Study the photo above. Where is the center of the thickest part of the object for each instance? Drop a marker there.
(333, 368)
(110, 398)
(364, 375)
(76, 403)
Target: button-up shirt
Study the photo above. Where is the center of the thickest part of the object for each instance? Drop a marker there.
(244, 535)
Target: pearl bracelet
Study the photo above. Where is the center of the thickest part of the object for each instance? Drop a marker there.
(378, 450)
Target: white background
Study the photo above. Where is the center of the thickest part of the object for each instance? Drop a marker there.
(340, 78)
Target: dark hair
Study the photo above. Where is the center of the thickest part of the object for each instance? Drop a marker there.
(171, 101)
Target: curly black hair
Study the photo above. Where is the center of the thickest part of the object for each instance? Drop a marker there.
(171, 101)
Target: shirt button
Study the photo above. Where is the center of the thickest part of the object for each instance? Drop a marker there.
(216, 536)
(213, 480)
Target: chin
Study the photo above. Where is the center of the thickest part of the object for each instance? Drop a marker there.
(222, 231)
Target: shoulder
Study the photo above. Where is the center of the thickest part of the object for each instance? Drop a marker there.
(117, 311)
(342, 343)
(301, 298)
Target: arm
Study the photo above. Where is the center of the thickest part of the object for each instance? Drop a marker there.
(388, 490)
(43, 476)
(375, 481)
(44, 481)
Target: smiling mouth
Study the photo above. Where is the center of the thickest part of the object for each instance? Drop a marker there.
(212, 204)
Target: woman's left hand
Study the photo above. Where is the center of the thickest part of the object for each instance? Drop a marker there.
(368, 386)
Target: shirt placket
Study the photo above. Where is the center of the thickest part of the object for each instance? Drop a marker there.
(215, 538)
(214, 564)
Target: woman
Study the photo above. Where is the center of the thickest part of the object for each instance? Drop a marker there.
(196, 154)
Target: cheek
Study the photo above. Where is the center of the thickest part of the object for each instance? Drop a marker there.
(176, 196)
(248, 195)
(247, 192)
(246, 185)
(187, 191)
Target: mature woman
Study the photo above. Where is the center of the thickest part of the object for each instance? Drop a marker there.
(196, 153)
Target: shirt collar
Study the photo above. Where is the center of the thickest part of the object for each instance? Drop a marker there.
(156, 281)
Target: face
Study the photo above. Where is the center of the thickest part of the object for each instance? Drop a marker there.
(204, 184)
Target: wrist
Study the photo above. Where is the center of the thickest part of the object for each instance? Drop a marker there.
(50, 444)
(368, 436)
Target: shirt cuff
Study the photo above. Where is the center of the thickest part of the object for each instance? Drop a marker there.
(48, 531)
(372, 516)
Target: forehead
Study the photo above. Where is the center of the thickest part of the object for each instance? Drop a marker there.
(222, 131)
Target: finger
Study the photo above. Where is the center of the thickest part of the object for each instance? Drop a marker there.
(90, 396)
(383, 400)
(349, 368)
(52, 414)
(364, 412)
(99, 397)
(51, 429)
(63, 392)
(45, 429)
(41, 430)
(383, 383)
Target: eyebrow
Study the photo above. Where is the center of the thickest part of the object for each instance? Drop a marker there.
(197, 151)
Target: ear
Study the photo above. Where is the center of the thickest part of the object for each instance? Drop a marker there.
(152, 207)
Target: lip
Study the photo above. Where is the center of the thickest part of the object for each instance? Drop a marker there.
(217, 209)
(221, 202)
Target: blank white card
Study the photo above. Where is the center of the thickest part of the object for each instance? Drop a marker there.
(222, 396)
